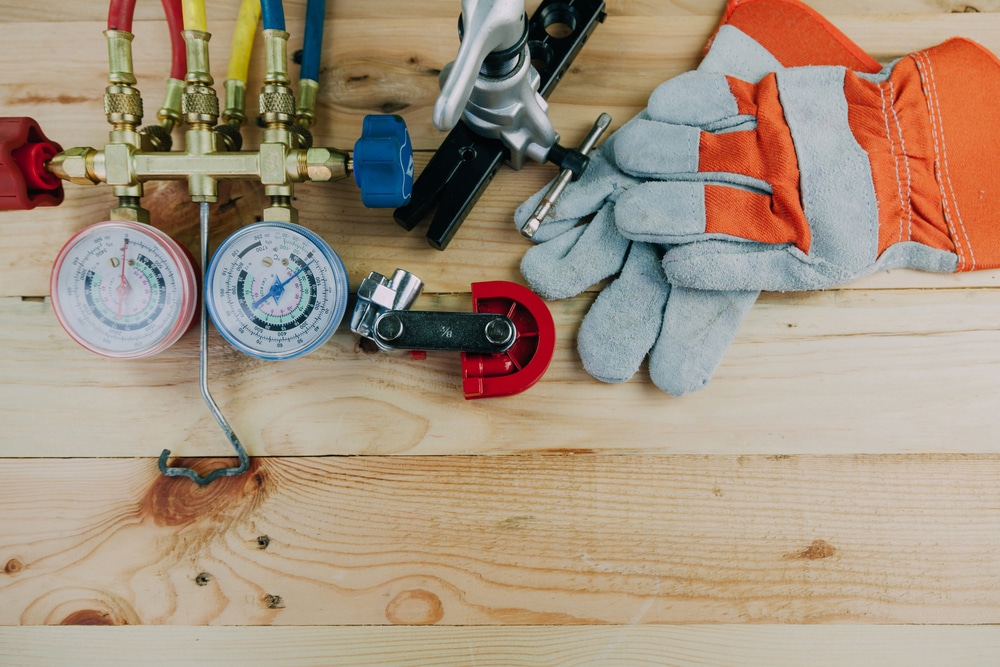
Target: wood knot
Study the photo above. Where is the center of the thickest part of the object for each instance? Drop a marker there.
(89, 617)
(176, 501)
(415, 607)
(263, 541)
(273, 601)
(13, 566)
(818, 550)
(392, 106)
(203, 578)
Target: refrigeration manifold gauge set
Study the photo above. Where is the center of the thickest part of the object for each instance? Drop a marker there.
(275, 289)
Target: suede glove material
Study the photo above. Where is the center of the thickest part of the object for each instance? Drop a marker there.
(835, 175)
(685, 332)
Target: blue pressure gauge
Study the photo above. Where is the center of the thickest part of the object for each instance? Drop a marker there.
(276, 290)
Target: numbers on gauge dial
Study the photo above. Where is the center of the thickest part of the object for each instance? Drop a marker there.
(277, 292)
(123, 289)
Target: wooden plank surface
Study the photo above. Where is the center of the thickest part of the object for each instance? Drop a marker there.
(841, 467)
(855, 371)
(588, 646)
(527, 540)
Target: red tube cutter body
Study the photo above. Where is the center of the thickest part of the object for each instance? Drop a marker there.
(524, 363)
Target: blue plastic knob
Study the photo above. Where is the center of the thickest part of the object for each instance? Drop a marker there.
(383, 162)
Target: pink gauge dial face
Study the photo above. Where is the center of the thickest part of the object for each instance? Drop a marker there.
(120, 290)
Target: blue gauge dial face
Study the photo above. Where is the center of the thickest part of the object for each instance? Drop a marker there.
(276, 291)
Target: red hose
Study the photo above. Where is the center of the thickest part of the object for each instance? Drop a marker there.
(178, 50)
(120, 14)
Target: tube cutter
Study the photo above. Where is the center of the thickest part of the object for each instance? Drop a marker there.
(506, 342)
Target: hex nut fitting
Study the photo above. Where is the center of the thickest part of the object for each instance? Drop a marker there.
(325, 164)
(75, 165)
(130, 213)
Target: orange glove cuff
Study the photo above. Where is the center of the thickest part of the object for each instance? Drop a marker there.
(929, 131)
(816, 42)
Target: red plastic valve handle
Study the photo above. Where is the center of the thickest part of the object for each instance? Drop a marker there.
(24, 181)
(517, 369)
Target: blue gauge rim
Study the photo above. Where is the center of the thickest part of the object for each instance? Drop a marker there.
(339, 278)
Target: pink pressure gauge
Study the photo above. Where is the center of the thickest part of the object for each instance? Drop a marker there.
(124, 290)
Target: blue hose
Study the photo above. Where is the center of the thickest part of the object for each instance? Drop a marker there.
(312, 46)
(272, 14)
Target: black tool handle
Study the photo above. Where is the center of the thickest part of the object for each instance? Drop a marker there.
(466, 162)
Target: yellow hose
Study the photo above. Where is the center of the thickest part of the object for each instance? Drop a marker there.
(194, 15)
(246, 29)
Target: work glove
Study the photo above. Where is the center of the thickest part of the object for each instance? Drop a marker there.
(833, 175)
(684, 331)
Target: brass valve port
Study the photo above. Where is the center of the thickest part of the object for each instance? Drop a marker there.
(77, 165)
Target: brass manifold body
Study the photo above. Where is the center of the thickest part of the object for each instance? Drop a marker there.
(135, 155)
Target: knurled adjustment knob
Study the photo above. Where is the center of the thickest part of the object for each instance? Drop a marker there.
(24, 181)
(123, 104)
(277, 104)
(383, 162)
(200, 104)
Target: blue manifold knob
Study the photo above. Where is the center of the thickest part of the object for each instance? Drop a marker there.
(383, 162)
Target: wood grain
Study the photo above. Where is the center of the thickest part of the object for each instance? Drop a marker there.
(401, 76)
(839, 474)
(588, 646)
(884, 371)
(538, 540)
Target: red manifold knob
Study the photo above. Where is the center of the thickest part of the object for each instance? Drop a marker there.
(24, 181)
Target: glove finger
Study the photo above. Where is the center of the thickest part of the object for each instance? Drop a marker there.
(721, 265)
(682, 212)
(601, 181)
(701, 99)
(622, 325)
(580, 257)
(698, 327)
(650, 149)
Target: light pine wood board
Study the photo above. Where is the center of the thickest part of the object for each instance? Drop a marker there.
(529, 540)
(589, 646)
(878, 371)
(400, 74)
(220, 10)
(900, 362)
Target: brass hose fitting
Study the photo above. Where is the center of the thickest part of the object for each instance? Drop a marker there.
(168, 114)
(305, 113)
(120, 69)
(200, 108)
(122, 101)
(277, 102)
(123, 108)
(277, 111)
(236, 103)
(199, 103)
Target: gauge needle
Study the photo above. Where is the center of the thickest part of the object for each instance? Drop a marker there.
(123, 287)
(278, 288)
